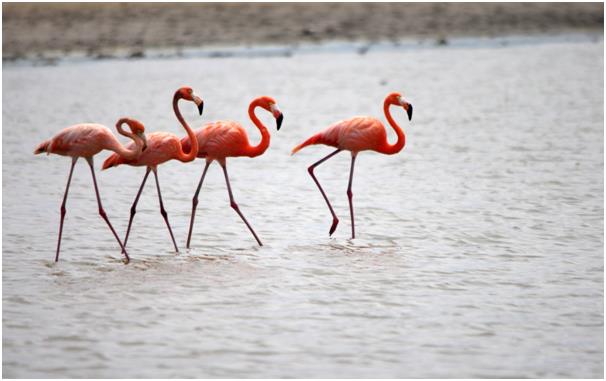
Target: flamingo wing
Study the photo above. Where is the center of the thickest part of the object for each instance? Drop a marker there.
(161, 147)
(355, 134)
(85, 139)
(222, 139)
(360, 133)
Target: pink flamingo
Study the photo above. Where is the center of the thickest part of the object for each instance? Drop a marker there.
(222, 139)
(162, 147)
(86, 140)
(357, 134)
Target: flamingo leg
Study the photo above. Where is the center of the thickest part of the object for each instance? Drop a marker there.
(350, 196)
(133, 208)
(194, 202)
(235, 206)
(63, 211)
(102, 212)
(335, 220)
(163, 211)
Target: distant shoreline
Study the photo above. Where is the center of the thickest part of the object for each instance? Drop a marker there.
(48, 31)
(289, 50)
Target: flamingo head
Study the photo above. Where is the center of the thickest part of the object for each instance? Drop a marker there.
(187, 93)
(269, 104)
(398, 100)
(137, 128)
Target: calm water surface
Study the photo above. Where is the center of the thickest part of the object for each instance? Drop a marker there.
(480, 249)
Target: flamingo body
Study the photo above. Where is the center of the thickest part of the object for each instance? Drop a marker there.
(360, 133)
(219, 140)
(81, 140)
(222, 139)
(161, 147)
(86, 140)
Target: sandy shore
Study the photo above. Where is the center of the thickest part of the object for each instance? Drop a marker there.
(36, 30)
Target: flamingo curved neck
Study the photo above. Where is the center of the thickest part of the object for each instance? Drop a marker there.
(181, 155)
(128, 153)
(264, 143)
(387, 148)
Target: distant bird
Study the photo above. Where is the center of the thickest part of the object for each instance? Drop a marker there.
(222, 139)
(161, 147)
(360, 133)
(86, 140)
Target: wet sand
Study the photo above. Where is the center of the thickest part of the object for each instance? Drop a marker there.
(97, 30)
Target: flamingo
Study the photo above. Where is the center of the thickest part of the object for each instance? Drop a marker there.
(360, 133)
(162, 147)
(86, 140)
(222, 139)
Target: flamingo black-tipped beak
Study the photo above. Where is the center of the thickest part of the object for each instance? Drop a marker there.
(409, 111)
(199, 102)
(279, 121)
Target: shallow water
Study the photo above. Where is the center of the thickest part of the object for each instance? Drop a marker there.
(479, 249)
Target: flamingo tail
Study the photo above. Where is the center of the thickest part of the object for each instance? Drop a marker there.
(42, 147)
(319, 138)
(113, 161)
